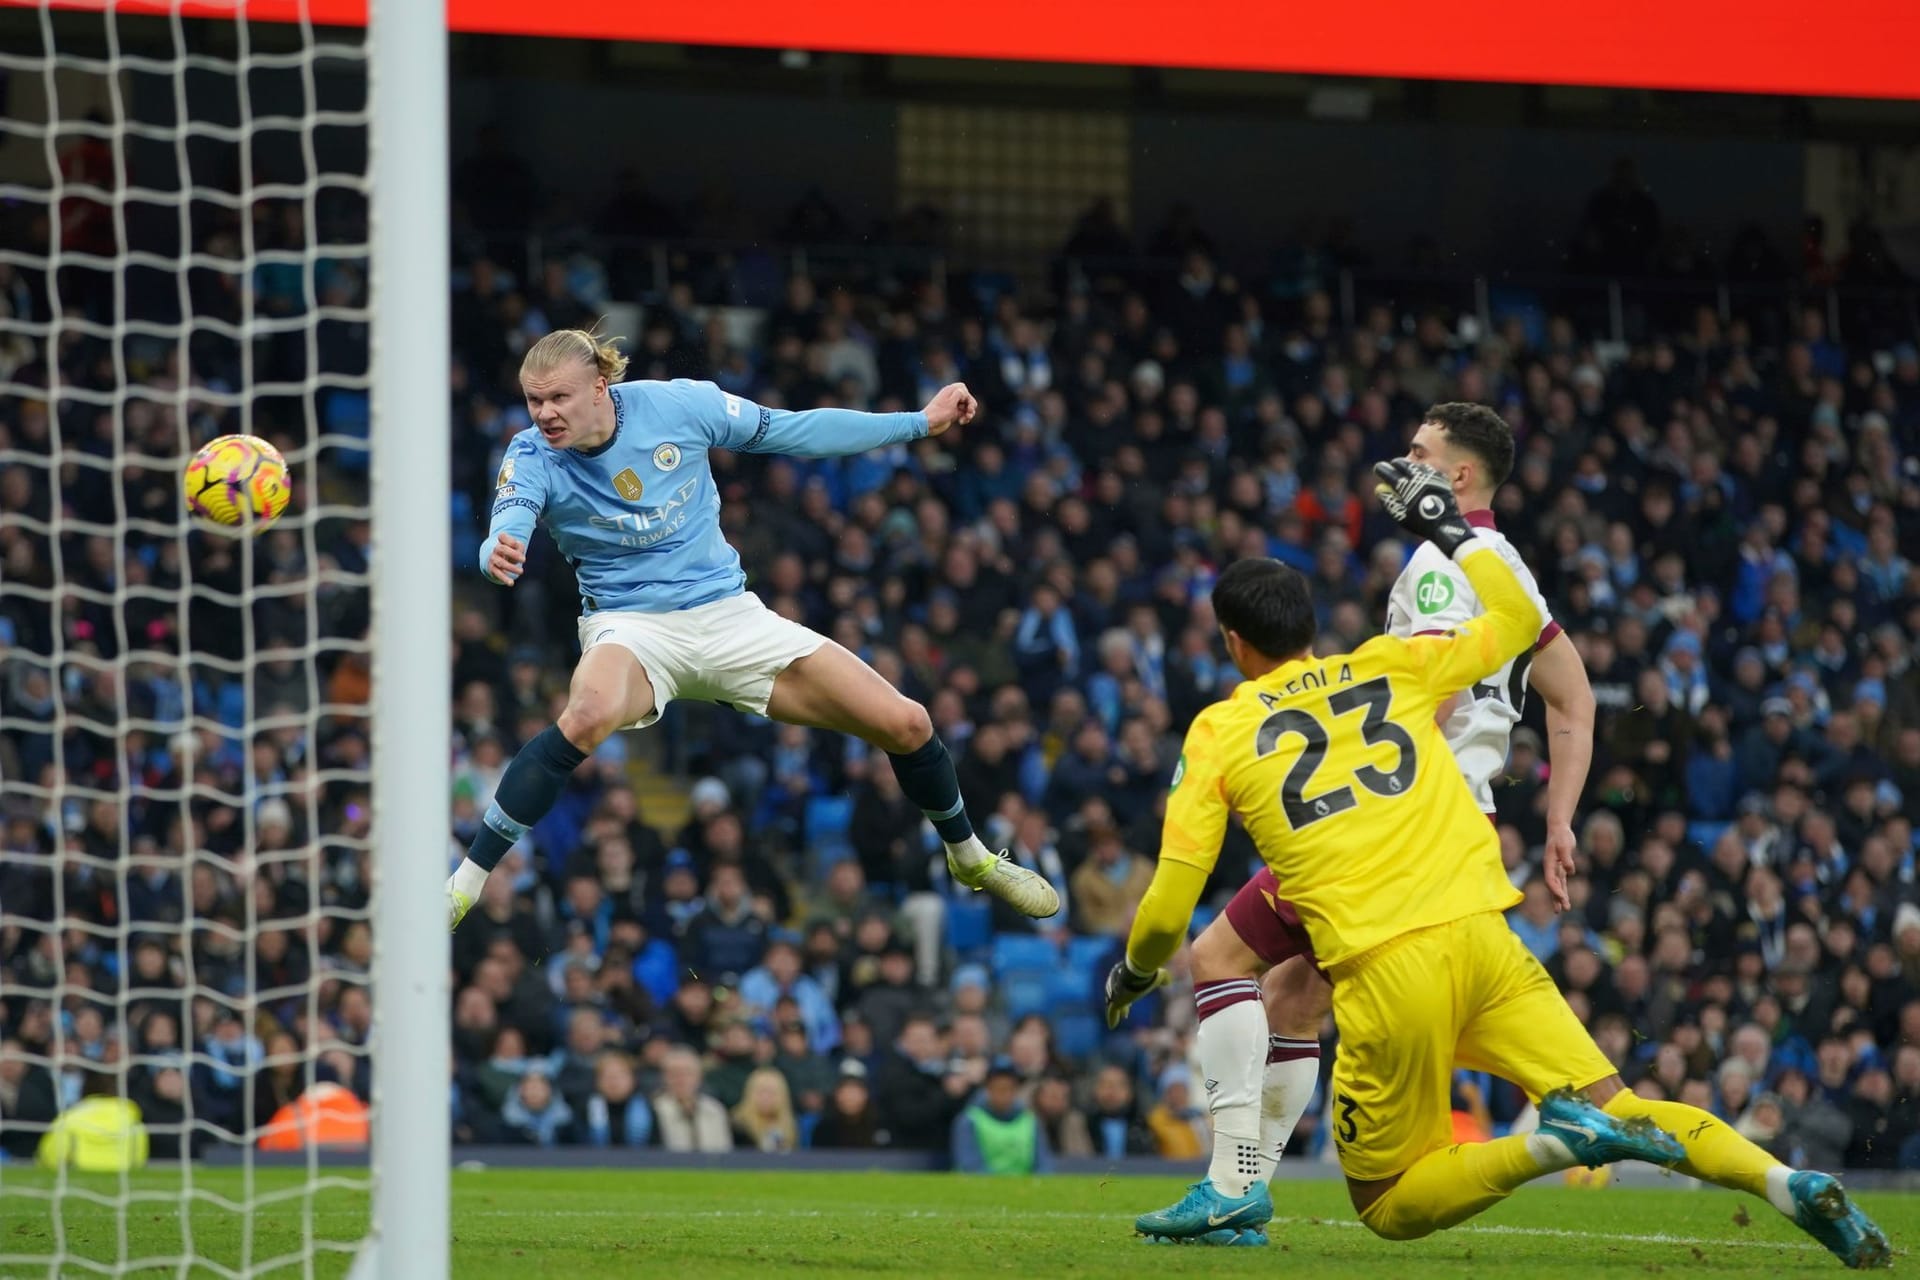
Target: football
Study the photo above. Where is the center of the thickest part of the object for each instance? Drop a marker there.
(237, 481)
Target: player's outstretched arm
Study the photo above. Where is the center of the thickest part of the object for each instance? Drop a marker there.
(1421, 501)
(735, 423)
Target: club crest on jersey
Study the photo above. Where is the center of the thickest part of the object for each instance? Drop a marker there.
(506, 475)
(667, 457)
(1433, 592)
(628, 485)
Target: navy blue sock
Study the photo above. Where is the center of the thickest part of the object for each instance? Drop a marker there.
(527, 790)
(927, 778)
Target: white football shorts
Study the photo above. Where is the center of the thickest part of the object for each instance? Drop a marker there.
(728, 652)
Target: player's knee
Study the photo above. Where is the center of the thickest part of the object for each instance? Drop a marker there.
(1395, 1226)
(904, 726)
(1372, 1203)
(1219, 954)
(589, 721)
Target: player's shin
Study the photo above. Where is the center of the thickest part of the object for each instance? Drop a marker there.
(528, 789)
(927, 778)
(1447, 1186)
(1232, 1044)
(1292, 1073)
(1715, 1153)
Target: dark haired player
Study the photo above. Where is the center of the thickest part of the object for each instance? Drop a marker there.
(1260, 932)
(1346, 785)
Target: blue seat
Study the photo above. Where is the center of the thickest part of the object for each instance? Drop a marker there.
(1706, 834)
(1013, 951)
(1507, 302)
(1025, 992)
(233, 704)
(1085, 956)
(828, 818)
(1068, 986)
(1077, 1035)
(347, 413)
(969, 924)
(1202, 917)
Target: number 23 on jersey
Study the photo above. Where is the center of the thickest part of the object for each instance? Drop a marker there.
(1374, 699)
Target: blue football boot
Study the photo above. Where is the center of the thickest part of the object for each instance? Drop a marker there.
(1824, 1212)
(1204, 1216)
(1596, 1138)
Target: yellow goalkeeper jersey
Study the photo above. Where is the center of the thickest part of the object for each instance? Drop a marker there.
(1345, 783)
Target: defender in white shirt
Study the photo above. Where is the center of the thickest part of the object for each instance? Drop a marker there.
(1432, 596)
(1260, 932)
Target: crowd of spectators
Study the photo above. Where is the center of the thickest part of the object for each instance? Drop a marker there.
(1725, 516)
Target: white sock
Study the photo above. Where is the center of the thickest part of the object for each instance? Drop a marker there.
(1552, 1153)
(969, 853)
(470, 878)
(1232, 1045)
(1285, 1090)
(1777, 1194)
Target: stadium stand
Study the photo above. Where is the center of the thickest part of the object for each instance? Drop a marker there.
(1721, 502)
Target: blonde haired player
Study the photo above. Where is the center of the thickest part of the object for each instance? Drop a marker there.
(617, 471)
(1346, 785)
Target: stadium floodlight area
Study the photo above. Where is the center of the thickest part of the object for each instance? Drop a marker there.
(223, 754)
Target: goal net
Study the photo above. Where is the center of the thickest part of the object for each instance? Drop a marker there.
(193, 973)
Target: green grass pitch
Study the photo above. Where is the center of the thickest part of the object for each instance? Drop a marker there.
(591, 1223)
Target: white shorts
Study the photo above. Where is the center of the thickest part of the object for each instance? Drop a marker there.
(729, 651)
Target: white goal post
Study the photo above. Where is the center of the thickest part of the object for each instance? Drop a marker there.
(407, 66)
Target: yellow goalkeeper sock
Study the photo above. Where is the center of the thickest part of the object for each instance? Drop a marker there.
(1715, 1153)
(1448, 1186)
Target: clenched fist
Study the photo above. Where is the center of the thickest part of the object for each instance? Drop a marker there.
(508, 561)
(954, 403)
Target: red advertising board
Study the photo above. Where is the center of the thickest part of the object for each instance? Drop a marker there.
(1846, 48)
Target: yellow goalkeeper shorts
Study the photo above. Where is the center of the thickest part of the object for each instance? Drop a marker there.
(1468, 993)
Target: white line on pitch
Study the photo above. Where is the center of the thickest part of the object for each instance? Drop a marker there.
(1074, 1215)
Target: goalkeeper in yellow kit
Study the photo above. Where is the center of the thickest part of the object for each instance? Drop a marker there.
(1345, 784)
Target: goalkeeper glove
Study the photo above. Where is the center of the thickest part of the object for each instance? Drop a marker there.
(1124, 986)
(1421, 501)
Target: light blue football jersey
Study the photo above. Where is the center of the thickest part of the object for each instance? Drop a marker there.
(639, 517)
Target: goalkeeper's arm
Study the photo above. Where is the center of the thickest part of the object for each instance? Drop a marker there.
(1160, 923)
(1509, 627)
(1420, 501)
(1196, 823)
